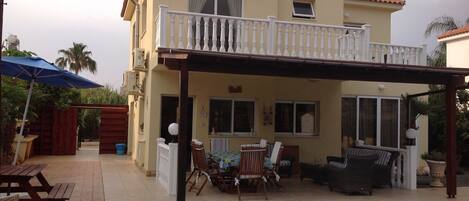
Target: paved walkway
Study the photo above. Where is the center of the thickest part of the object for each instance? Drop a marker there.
(116, 178)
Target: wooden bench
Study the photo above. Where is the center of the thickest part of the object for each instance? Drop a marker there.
(61, 191)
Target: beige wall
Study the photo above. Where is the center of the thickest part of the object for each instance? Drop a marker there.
(457, 52)
(378, 18)
(264, 91)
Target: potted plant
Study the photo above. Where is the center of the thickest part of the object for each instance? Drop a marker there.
(436, 161)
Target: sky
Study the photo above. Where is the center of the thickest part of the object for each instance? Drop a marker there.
(45, 26)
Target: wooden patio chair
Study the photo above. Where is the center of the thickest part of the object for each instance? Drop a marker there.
(202, 167)
(272, 174)
(251, 167)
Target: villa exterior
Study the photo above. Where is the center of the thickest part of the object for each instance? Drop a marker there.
(321, 116)
(457, 47)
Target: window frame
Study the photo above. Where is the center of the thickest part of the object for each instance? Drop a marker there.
(294, 133)
(232, 132)
(299, 15)
(378, 119)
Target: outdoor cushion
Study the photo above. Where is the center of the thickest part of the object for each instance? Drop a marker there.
(337, 164)
(285, 163)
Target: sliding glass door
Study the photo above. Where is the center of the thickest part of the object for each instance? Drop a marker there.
(374, 120)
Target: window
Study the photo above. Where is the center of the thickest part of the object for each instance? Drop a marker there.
(376, 121)
(303, 9)
(144, 17)
(231, 116)
(217, 7)
(296, 118)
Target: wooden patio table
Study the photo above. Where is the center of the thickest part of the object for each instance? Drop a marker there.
(22, 175)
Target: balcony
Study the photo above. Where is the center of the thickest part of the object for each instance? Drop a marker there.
(248, 36)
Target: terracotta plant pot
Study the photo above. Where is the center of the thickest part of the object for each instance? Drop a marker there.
(437, 171)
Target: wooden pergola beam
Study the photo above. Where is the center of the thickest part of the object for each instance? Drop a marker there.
(451, 138)
(183, 132)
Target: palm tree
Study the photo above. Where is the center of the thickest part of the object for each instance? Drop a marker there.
(77, 58)
(438, 26)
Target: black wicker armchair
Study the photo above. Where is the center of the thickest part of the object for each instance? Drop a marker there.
(383, 165)
(353, 177)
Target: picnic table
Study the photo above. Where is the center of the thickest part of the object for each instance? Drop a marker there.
(22, 175)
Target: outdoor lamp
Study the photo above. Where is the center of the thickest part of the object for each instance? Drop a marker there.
(173, 129)
(411, 135)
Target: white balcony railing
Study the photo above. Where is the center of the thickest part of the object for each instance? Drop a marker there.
(196, 31)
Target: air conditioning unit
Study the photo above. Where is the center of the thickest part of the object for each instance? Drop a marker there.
(138, 63)
(130, 84)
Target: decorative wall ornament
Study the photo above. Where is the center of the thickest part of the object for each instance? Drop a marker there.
(235, 89)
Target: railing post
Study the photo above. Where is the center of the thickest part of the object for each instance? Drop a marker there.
(410, 174)
(162, 25)
(158, 152)
(366, 42)
(411, 159)
(423, 56)
(173, 164)
(271, 35)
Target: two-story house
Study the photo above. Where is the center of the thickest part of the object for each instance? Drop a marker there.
(320, 116)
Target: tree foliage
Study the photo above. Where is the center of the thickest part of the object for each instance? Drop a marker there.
(436, 102)
(90, 118)
(438, 26)
(77, 59)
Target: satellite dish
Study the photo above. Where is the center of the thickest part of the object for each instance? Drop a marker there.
(12, 42)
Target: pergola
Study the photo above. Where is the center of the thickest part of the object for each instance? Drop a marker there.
(185, 61)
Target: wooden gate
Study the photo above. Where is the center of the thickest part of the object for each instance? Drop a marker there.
(113, 129)
(57, 131)
(64, 132)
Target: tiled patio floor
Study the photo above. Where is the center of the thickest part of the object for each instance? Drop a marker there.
(123, 181)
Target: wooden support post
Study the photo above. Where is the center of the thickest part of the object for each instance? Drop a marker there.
(183, 132)
(451, 138)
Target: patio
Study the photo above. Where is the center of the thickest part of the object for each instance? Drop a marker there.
(116, 178)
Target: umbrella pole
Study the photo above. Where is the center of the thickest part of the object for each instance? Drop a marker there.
(31, 84)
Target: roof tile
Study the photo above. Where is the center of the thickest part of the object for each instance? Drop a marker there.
(400, 2)
(454, 32)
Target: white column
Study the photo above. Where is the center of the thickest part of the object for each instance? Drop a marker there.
(412, 156)
(171, 30)
(206, 34)
(162, 25)
(271, 35)
(423, 56)
(365, 56)
(189, 32)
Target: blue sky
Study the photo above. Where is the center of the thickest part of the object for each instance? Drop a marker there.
(45, 26)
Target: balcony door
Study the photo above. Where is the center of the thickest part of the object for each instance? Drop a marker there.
(216, 7)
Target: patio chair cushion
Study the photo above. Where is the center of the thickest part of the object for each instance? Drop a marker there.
(383, 156)
(337, 164)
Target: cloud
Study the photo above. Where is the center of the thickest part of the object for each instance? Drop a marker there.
(46, 26)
